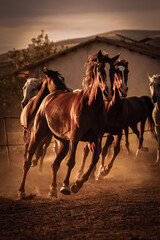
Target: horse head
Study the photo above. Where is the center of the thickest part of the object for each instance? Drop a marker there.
(121, 69)
(154, 84)
(95, 77)
(110, 73)
(30, 89)
(54, 80)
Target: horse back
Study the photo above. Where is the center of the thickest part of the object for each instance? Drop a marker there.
(137, 110)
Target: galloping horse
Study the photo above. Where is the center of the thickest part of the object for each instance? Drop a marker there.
(120, 67)
(32, 87)
(72, 117)
(154, 85)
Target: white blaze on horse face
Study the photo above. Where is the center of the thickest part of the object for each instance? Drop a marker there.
(123, 84)
(30, 89)
(108, 83)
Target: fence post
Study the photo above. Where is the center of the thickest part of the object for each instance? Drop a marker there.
(7, 144)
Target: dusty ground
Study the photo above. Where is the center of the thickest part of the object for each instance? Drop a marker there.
(126, 205)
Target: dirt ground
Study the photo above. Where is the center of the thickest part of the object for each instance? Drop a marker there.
(125, 205)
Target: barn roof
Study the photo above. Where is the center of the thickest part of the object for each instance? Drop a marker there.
(134, 46)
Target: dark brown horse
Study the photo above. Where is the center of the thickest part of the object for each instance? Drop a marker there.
(120, 67)
(71, 117)
(138, 111)
(56, 82)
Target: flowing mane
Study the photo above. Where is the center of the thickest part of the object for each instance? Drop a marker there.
(57, 83)
(95, 75)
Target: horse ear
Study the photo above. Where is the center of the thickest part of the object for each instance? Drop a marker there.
(45, 70)
(149, 76)
(100, 56)
(115, 58)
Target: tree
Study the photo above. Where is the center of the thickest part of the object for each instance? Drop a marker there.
(11, 93)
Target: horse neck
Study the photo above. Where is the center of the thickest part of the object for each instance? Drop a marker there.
(43, 92)
(114, 103)
(157, 106)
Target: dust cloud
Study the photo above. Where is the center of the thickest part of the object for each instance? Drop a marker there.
(128, 170)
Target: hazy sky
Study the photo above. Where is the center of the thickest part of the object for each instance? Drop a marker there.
(21, 20)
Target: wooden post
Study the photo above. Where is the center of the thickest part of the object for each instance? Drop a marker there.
(7, 144)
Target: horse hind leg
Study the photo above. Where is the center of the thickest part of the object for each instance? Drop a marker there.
(126, 140)
(41, 152)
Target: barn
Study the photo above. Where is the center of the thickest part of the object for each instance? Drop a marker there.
(143, 59)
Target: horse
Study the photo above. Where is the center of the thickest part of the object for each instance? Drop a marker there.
(30, 107)
(154, 85)
(119, 67)
(137, 110)
(30, 89)
(71, 117)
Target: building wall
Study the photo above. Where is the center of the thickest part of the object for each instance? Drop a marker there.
(71, 66)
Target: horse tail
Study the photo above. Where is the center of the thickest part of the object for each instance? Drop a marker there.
(150, 106)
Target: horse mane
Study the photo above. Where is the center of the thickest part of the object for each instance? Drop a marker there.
(89, 83)
(156, 76)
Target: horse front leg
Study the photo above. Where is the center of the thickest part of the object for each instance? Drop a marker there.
(103, 155)
(65, 189)
(96, 148)
(107, 168)
(85, 155)
(62, 150)
(27, 164)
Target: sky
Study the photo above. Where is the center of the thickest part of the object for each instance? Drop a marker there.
(21, 20)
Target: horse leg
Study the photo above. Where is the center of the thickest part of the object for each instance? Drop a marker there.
(25, 150)
(103, 155)
(70, 163)
(85, 155)
(44, 149)
(157, 129)
(62, 150)
(27, 163)
(136, 131)
(117, 139)
(144, 149)
(126, 139)
(96, 147)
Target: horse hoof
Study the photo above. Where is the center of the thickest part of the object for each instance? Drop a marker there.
(99, 177)
(74, 188)
(65, 190)
(105, 171)
(53, 192)
(34, 163)
(23, 196)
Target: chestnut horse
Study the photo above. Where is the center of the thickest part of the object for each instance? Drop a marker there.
(72, 117)
(31, 87)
